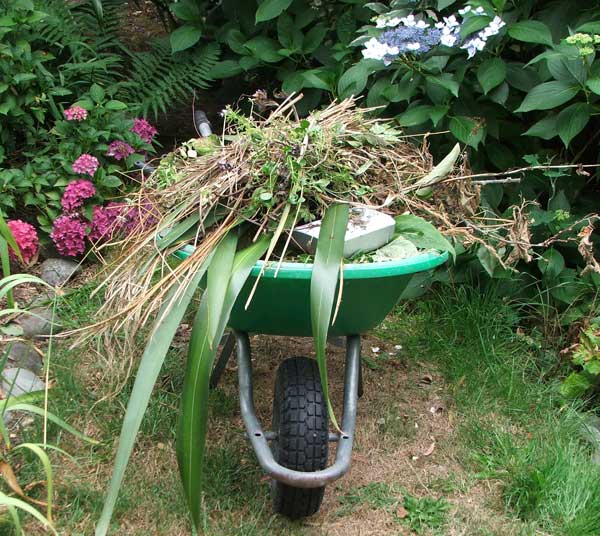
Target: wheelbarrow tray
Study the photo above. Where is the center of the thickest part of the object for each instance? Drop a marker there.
(280, 304)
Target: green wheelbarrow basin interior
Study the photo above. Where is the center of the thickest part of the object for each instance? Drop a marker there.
(281, 305)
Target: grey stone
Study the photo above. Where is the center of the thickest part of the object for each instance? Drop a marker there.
(39, 322)
(19, 381)
(23, 355)
(57, 272)
(44, 298)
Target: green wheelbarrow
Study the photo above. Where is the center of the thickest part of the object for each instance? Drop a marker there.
(299, 438)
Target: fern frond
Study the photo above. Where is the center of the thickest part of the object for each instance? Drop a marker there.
(159, 78)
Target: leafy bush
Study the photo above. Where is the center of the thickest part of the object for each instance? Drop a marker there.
(586, 357)
(43, 63)
(289, 44)
(52, 54)
(533, 83)
(36, 186)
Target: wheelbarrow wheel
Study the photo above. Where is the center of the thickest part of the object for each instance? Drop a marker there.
(301, 424)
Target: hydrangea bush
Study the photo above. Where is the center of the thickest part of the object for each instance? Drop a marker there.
(507, 75)
(88, 153)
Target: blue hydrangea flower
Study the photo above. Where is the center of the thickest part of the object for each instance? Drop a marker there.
(413, 39)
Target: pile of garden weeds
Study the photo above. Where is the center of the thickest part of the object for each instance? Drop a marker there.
(276, 171)
(272, 171)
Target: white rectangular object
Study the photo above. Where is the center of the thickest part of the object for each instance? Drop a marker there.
(367, 230)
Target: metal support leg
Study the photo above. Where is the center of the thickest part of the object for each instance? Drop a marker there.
(258, 438)
(220, 365)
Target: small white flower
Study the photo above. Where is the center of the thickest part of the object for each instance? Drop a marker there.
(192, 154)
(479, 10)
(392, 51)
(492, 29)
(451, 21)
(440, 25)
(448, 40)
(374, 49)
(223, 112)
(393, 22)
(408, 21)
(473, 46)
(497, 23)
(422, 24)
(375, 349)
(413, 46)
(464, 11)
(380, 22)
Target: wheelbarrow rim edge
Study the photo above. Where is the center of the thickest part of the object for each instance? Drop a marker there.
(296, 270)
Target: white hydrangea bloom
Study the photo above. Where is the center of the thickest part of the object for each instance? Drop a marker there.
(479, 10)
(422, 24)
(451, 21)
(464, 11)
(473, 46)
(393, 22)
(448, 40)
(381, 22)
(408, 21)
(413, 46)
(376, 50)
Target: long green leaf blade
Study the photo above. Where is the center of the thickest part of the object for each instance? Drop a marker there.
(5, 262)
(43, 457)
(98, 8)
(16, 520)
(7, 501)
(6, 233)
(29, 408)
(152, 360)
(323, 282)
(218, 276)
(194, 406)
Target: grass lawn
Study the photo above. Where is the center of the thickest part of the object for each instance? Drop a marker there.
(457, 434)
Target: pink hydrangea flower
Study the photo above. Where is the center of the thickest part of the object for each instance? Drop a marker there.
(68, 235)
(119, 150)
(75, 113)
(86, 164)
(143, 129)
(75, 194)
(26, 238)
(104, 222)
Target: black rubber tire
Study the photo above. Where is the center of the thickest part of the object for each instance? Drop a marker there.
(301, 423)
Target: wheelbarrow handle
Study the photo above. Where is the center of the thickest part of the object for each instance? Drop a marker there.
(258, 439)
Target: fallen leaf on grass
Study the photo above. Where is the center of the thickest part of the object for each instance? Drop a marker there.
(11, 479)
(429, 450)
(401, 512)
